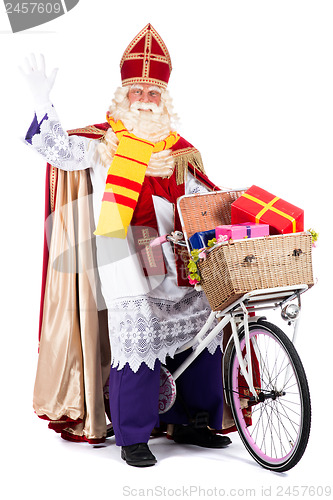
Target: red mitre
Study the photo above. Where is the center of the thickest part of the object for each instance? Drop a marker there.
(146, 60)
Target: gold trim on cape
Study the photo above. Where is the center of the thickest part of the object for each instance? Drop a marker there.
(53, 182)
(182, 158)
(90, 129)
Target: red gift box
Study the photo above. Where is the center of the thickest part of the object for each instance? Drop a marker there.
(258, 205)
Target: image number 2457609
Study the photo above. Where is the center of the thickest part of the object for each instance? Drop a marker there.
(25, 15)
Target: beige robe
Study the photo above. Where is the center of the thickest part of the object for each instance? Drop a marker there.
(74, 352)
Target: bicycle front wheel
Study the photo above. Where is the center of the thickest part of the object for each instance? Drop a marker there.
(275, 430)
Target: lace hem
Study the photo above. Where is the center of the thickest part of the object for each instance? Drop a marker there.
(145, 329)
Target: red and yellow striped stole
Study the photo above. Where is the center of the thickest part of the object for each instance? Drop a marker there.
(125, 178)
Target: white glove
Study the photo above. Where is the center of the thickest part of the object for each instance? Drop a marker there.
(40, 85)
(161, 164)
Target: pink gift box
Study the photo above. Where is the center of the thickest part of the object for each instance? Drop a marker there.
(255, 230)
(230, 232)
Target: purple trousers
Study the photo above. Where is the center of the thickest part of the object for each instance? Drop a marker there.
(134, 396)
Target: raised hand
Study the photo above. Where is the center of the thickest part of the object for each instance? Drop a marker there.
(39, 83)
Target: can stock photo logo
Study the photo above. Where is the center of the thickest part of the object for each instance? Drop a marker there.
(26, 15)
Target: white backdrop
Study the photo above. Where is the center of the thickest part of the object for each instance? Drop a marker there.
(252, 83)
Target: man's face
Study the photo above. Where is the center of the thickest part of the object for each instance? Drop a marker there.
(144, 93)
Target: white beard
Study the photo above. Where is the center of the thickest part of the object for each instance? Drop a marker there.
(153, 125)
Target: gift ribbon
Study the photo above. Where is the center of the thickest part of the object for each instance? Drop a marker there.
(269, 206)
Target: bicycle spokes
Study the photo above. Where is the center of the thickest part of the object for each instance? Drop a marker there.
(278, 422)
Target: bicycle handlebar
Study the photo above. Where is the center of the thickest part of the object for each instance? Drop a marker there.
(176, 237)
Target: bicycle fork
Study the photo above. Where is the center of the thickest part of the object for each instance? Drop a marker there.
(245, 362)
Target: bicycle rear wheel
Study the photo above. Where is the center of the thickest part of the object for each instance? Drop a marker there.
(275, 430)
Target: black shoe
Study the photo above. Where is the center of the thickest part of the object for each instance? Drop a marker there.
(109, 430)
(187, 434)
(138, 455)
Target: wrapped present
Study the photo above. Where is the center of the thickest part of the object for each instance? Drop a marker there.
(255, 230)
(200, 239)
(260, 206)
(230, 232)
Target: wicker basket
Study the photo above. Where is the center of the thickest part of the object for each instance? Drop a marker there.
(235, 268)
(202, 212)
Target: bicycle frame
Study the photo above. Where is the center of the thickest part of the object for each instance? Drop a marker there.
(237, 314)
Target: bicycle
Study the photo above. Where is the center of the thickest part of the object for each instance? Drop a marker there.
(263, 377)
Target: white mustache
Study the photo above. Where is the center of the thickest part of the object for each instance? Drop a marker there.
(146, 106)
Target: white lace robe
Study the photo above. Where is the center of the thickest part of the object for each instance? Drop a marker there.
(149, 317)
